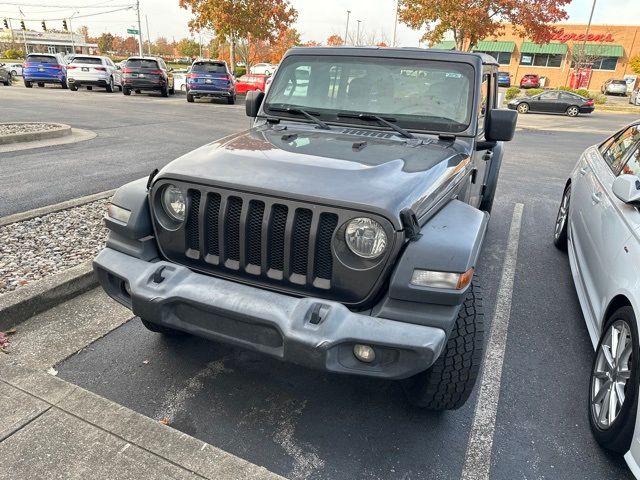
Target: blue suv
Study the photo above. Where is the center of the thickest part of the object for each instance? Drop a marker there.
(210, 78)
(504, 79)
(44, 68)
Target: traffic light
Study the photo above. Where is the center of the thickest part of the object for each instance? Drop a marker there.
(64, 25)
(6, 24)
(22, 25)
(44, 26)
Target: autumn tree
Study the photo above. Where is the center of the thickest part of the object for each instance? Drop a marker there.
(188, 48)
(286, 39)
(105, 43)
(254, 20)
(312, 43)
(470, 20)
(335, 40)
(162, 47)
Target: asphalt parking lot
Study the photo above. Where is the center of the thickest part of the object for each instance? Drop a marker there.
(304, 424)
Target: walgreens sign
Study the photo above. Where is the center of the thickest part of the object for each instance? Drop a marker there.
(563, 37)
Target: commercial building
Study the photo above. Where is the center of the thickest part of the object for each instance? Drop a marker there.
(571, 58)
(45, 42)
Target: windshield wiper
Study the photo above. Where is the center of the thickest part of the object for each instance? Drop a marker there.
(369, 117)
(299, 111)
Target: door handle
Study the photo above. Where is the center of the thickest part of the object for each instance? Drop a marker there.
(584, 170)
(596, 197)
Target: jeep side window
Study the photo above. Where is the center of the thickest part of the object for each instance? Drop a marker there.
(484, 98)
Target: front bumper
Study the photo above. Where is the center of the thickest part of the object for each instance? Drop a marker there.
(308, 331)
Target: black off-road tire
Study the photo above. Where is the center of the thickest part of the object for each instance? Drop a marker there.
(154, 327)
(450, 380)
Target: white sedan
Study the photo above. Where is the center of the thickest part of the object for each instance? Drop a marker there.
(599, 224)
(263, 69)
(14, 68)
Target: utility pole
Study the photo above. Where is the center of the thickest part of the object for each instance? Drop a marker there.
(73, 44)
(200, 43)
(358, 33)
(148, 36)
(346, 32)
(395, 25)
(586, 33)
(139, 28)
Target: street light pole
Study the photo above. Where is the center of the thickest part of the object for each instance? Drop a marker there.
(73, 44)
(346, 32)
(586, 33)
(395, 24)
(358, 33)
(139, 28)
(148, 36)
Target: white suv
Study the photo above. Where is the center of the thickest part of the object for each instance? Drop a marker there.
(93, 71)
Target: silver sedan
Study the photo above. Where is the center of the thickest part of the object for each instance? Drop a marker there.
(598, 223)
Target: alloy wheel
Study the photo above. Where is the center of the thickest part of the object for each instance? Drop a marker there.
(523, 108)
(611, 373)
(572, 111)
(563, 212)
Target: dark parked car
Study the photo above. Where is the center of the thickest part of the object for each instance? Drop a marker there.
(210, 78)
(42, 68)
(554, 101)
(5, 75)
(504, 79)
(530, 81)
(147, 73)
(340, 232)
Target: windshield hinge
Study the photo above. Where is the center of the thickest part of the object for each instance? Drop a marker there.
(410, 224)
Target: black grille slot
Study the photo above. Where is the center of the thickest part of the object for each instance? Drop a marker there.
(192, 230)
(323, 258)
(212, 218)
(254, 232)
(300, 242)
(232, 229)
(276, 233)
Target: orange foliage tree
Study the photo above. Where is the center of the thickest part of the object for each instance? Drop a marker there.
(335, 40)
(288, 38)
(471, 20)
(254, 20)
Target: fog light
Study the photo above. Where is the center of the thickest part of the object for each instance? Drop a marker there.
(364, 353)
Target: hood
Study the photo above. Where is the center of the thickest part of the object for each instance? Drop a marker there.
(342, 167)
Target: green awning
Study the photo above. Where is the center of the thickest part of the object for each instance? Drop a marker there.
(494, 46)
(599, 50)
(445, 45)
(550, 48)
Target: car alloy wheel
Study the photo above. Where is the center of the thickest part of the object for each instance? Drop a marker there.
(523, 108)
(560, 230)
(611, 373)
(573, 111)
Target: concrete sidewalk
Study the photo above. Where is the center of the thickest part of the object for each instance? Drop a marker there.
(52, 429)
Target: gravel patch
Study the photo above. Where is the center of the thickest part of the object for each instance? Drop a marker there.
(13, 128)
(33, 249)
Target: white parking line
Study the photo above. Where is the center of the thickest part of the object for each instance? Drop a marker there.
(477, 460)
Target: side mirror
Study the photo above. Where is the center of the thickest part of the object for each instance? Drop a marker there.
(501, 125)
(627, 189)
(253, 102)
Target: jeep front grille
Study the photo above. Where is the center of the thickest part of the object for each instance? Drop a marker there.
(245, 235)
(270, 242)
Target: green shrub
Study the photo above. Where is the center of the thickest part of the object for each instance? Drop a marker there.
(240, 71)
(13, 54)
(583, 92)
(598, 98)
(533, 91)
(512, 92)
(566, 89)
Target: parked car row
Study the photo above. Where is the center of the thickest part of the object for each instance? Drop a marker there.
(204, 79)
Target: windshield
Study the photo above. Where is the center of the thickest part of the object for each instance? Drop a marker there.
(142, 63)
(619, 82)
(209, 67)
(42, 59)
(418, 94)
(87, 60)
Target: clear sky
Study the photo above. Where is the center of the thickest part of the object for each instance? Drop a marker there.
(317, 19)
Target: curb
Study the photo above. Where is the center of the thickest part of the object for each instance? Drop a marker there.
(62, 130)
(56, 207)
(25, 302)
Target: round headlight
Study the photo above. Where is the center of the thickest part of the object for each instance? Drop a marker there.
(365, 237)
(173, 202)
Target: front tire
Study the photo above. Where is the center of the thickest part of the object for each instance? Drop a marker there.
(523, 108)
(613, 390)
(450, 380)
(573, 111)
(562, 221)
(110, 86)
(154, 327)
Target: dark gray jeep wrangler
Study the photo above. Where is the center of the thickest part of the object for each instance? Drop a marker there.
(340, 232)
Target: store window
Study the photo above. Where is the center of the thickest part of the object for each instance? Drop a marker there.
(604, 63)
(541, 59)
(503, 58)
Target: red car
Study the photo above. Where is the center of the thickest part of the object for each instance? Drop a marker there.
(250, 82)
(530, 81)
